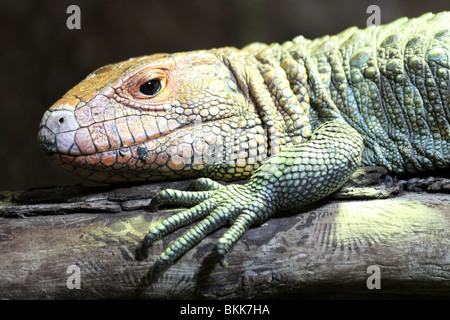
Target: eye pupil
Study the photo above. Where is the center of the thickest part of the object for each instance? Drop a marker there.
(151, 88)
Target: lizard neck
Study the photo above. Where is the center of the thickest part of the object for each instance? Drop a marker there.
(278, 87)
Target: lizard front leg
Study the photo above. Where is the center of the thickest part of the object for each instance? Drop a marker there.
(297, 176)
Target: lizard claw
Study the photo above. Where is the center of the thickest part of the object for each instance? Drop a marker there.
(153, 206)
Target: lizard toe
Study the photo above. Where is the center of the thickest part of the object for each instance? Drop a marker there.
(212, 222)
(242, 223)
(170, 224)
(205, 184)
(178, 197)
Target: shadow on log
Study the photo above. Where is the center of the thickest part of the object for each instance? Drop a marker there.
(334, 249)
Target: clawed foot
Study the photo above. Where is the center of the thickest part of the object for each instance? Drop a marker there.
(216, 205)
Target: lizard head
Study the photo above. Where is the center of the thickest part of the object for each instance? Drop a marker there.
(158, 117)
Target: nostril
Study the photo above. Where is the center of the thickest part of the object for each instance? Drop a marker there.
(60, 121)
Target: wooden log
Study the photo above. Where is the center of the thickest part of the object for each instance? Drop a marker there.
(328, 250)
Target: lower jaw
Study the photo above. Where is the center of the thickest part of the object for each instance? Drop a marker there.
(131, 170)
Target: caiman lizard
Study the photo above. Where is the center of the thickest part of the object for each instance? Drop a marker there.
(297, 118)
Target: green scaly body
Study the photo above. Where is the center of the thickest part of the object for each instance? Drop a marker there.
(298, 118)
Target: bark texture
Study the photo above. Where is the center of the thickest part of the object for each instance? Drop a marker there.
(323, 251)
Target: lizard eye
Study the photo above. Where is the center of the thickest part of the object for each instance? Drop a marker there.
(151, 88)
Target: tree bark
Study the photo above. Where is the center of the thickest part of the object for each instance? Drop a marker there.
(338, 248)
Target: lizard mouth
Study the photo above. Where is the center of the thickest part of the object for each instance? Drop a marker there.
(120, 150)
(60, 132)
(145, 161)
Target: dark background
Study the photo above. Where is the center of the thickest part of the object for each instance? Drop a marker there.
(40, 59)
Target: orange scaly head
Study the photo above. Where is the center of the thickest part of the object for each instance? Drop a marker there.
(158, 117)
